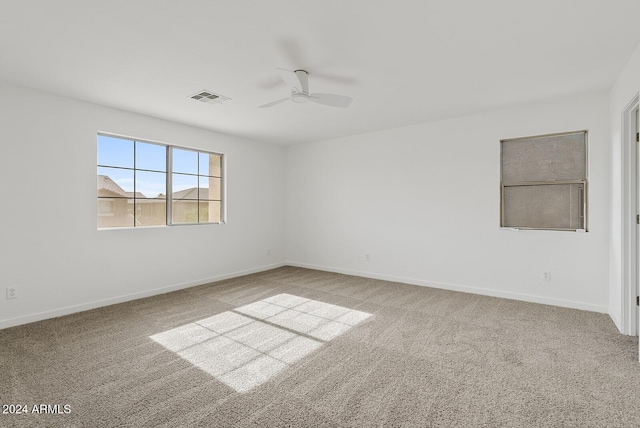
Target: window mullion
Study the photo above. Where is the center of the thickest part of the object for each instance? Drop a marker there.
(169, 186)
(135, 176)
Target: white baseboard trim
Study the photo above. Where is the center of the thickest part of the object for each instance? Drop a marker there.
(54, 313)
(463, 288)
(616, 321)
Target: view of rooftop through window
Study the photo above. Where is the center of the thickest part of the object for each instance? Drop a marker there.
(134, 178)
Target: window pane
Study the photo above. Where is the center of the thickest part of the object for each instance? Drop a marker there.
(556, 157)
(121, 214)
(151, 184)
(550, 206)
(115, 182)
(185, 161)
(151, 156)
(151, 212)
(185, 186)
(184, 211)
(210, 188)
(210, 212)
(115, 152)
(210, 164)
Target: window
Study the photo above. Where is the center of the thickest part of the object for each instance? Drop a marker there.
(105, 206)
(196, 185)
(544, 182)
(148, 184)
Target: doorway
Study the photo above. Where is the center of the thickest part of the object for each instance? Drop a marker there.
(630, 224)
(635, 295)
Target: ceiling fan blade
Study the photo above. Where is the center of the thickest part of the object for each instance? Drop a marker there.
(331, 99)
(275, 102)
(290, 79)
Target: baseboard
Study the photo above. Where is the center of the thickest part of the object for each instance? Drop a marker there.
(445, 286)
(463, 288)
(12, 322)
(616, 321)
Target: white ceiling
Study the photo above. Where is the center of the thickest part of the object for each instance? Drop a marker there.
(403, 61)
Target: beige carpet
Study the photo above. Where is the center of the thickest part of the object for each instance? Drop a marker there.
(296, 347)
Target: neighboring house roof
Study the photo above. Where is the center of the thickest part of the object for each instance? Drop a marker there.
(191, 193)
(108, 187)
(137, 195)
(106, 184)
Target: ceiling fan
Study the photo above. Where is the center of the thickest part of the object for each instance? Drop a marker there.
(298, 81)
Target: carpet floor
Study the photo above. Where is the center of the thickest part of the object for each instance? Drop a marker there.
(302, 348)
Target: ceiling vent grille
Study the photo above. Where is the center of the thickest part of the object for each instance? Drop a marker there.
(209, 97)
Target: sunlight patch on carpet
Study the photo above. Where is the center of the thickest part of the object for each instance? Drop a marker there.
(247, 346)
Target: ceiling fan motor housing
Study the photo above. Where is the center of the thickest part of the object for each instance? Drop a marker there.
(298, 81)
(299, 97)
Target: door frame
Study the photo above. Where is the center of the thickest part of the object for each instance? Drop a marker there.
(630, 208)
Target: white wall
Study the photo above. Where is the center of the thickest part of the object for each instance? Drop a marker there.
(52, 251)
(424, 202)
(622, 93)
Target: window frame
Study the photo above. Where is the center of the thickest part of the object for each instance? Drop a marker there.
(168, 183)
(584, 182)
(171, 173)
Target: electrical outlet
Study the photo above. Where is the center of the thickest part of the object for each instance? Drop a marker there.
(12, 293)
(546, 276)
(367, 257)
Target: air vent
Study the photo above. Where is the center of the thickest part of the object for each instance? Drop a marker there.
(208, 97)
